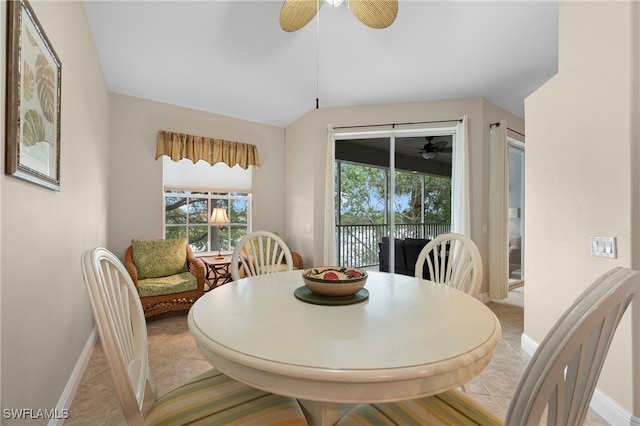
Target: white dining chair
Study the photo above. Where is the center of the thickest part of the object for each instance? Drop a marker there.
(558, 382)
(260, 252)
(451, 259)
(454, 260)
(210, 398)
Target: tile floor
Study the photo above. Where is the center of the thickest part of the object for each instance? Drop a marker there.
(173, 358)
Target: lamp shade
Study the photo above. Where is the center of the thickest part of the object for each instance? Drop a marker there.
(219, 216)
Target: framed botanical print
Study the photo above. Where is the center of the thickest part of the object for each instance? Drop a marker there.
(33, 99)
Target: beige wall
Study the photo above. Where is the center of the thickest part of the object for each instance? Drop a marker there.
(46, 317)
(135, 200)
(578, 170)
(306, 146)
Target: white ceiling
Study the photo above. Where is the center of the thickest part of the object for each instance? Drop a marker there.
(232, 58)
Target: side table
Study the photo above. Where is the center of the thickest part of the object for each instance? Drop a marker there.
(217, 270)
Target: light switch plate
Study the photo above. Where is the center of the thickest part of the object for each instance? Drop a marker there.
(604, 247)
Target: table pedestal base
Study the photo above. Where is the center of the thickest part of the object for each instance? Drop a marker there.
(325, 413)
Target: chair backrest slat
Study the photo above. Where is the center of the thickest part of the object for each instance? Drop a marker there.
(452, 259)
(562, 374)
(258, 253)
(118, 313)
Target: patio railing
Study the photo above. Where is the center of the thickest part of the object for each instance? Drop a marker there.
(357, 245)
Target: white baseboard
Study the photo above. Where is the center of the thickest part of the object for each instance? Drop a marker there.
(527, 344)
(602, 404)
(69, 392)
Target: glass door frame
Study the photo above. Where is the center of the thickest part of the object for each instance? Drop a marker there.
(392, 134)
(520, 146)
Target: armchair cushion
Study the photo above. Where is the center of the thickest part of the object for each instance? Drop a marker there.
(159, 258)
(176, 283)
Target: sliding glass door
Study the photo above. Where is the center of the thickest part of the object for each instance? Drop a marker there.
(362, 212)
(390, 188)
(516, 213)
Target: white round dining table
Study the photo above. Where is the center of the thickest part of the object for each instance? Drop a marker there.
(408, 339)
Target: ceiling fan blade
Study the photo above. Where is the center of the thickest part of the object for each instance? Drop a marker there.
(446, 150)
(295, 14)
(375, 13)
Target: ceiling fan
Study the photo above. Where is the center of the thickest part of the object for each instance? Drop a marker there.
(295, 14)
(432, 149)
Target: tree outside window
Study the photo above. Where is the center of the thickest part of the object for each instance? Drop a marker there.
(187, 215)
(422, 208)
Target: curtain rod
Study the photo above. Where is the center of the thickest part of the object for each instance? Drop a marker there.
(514, 131)
(459, 120)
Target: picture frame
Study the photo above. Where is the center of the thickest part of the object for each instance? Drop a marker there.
(34, 77)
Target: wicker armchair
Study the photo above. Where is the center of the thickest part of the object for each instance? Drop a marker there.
(297, 260)
(172, 292)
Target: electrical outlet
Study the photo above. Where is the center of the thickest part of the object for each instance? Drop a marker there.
(604, 247)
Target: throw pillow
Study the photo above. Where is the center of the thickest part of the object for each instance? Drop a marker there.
(159, 258)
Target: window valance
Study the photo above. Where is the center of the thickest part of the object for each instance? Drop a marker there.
(179, 145)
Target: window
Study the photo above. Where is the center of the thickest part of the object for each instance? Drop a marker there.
(192, 191)
(187, 215)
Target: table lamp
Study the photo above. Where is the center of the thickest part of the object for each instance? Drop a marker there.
(219, 217)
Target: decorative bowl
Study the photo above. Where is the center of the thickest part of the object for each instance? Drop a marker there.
(335, 281)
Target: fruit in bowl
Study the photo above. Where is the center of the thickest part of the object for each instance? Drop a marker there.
(335, 281)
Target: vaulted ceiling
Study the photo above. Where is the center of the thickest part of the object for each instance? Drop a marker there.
(232, 57)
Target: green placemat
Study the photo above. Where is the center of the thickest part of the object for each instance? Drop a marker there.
(307, 296)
